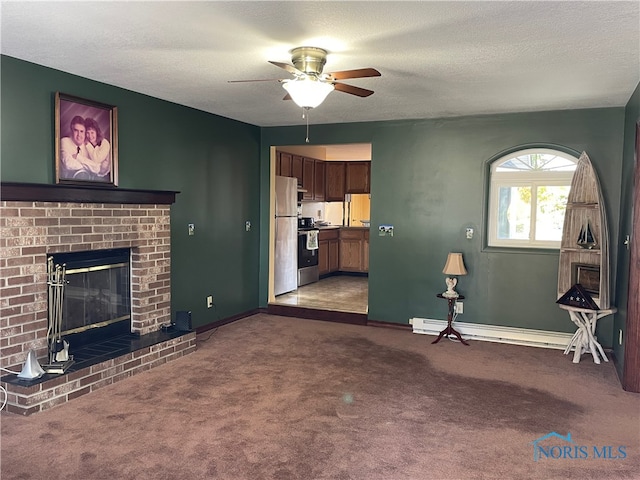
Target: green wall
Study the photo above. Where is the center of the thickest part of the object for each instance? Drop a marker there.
(212, 161)
(632, 116)
(429, 180)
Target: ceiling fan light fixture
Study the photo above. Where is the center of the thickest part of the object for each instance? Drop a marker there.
(307, 92)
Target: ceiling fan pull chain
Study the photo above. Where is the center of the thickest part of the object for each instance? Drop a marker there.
(305, 114)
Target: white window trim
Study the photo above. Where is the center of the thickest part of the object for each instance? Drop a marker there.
(519, 179)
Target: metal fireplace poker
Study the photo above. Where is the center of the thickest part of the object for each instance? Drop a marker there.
(59, 358)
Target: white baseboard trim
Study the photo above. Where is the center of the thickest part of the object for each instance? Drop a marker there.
(495, 333)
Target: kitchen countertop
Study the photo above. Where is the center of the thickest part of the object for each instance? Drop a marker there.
(333, 227)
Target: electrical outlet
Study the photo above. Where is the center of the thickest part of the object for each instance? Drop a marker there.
(191, 228)
(247, 226)
(385, 230)
(459, 308)
(620, 337)
(210, 301)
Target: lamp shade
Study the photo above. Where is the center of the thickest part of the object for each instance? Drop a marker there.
(454, 265)
(307, 92)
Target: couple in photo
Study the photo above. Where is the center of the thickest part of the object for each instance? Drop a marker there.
(85, 153)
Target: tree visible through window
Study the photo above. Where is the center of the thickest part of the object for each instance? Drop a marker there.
(528, 196)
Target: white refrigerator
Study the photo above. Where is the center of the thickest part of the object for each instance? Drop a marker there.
(286, 249)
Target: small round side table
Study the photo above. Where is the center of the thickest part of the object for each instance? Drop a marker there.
(450, 330)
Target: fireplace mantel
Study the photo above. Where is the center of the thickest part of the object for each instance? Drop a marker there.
(41, 192)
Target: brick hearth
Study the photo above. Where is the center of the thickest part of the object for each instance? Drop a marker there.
(32, 230)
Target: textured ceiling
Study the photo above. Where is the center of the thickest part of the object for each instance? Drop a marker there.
(437, 59)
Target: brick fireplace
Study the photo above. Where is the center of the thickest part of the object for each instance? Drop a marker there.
(39, 220)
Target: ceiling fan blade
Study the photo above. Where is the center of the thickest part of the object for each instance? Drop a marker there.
(256, 80)
(287, 67)
(360, 92)
(358, 73)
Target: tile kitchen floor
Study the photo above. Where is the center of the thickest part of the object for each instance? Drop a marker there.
(340, 293)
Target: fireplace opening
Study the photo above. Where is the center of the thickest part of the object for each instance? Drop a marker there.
(97, 295)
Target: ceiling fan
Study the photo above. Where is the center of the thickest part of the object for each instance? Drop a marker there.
(309, 85)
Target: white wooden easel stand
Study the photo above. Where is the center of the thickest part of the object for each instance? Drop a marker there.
(584, 340)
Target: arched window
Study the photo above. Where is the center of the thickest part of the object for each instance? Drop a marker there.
(527, 198)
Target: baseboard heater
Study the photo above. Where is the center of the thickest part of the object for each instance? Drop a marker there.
(495, 333)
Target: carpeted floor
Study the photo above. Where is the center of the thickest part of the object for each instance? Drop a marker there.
(281, 398)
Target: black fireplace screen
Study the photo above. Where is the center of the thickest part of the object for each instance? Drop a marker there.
(97, 293)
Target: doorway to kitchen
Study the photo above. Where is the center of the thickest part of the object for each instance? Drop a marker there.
(337, 201)
(339, 293)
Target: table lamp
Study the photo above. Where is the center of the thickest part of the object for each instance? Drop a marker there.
(454, 266)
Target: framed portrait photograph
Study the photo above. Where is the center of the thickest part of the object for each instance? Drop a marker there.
(86, 141)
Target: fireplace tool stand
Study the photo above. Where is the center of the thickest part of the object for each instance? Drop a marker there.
(59, 358)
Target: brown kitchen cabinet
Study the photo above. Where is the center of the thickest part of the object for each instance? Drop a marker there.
(297, 168)
(328, 251)
(334, 181)
(365, 251)
(357, 177)
(334, 255)
(323, 257)
(325, 181)
(319, 180)
(354, 250)
(308, 178)
(304, 170)
(283, 164)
